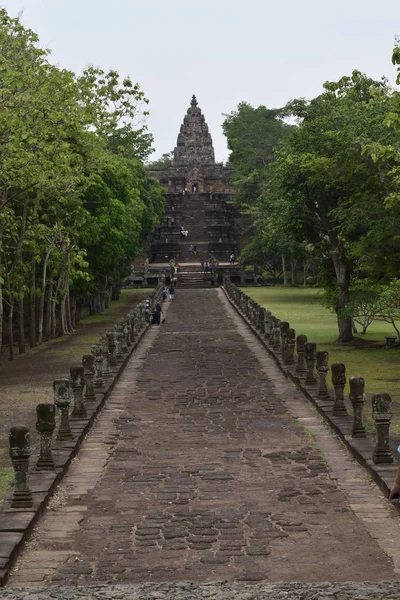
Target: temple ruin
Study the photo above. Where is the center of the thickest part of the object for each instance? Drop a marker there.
(198, 194)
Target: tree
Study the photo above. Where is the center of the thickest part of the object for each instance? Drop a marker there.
(163, 162)
(366, 302)
(252, 134)
(327, 183)
(63, 139)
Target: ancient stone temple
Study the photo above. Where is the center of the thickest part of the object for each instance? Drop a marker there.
(194, 163)
(197, 201)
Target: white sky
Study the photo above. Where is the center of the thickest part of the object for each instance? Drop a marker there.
(224, 51)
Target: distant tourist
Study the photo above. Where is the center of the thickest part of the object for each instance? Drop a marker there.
(232, 258)
(202, 266)
(171, 292)
(195, 250)
(157, 314)
(191, 249)
(146, 305)
(211, 192)
(164, 294)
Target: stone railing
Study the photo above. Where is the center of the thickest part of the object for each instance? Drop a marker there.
(77, 400)
(300, 360)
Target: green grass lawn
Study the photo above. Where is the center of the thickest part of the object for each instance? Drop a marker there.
(302, 308)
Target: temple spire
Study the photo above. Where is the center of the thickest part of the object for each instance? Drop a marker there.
(194, 145)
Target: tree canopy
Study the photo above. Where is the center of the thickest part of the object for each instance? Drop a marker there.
(75, 199)
(326, 188)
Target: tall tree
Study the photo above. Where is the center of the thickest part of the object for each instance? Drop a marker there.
(322, 175)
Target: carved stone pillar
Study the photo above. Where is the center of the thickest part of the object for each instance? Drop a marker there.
(45, 425)
(62, 401)
(118, 347)
(382, 415)
(271, 340)
(20, 452)
(284, 327)
(98, 380)
(106, 358)
(110, 335)
(122, 336)
(322, 368)
(311, 358)
(88, 365)
(290, 344)
(277, 335)
(127, 333)
(132, 328)
(338, 382)
(301, 365)
(77, 376)
(267, 325)
(357, 398)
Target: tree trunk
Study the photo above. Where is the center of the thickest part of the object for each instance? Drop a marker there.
(10, 326)
(43, 298)
(68, 313)
(293, 266)
(305, 273)
(343, 278)
(32, 306)
(64, 328)
(21, 328)
(49, 309)
(72, 304)
(102, 307)
(108, 297)
(284, 271)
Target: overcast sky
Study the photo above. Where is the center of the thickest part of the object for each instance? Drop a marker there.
(224, 51)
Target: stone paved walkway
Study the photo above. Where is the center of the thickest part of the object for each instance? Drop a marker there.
(196, 472)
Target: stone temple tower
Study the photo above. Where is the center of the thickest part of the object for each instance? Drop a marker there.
(194, 159)
(194, 145)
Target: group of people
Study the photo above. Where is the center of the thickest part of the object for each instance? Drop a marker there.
(158, 316)
(195, 189)
(206, 266)
(184, 233)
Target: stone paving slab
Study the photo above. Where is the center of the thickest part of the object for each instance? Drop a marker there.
(206, 475)
(216, 590)
(16, 524)
(361, 448)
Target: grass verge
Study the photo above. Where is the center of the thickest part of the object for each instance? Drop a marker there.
(365, 355)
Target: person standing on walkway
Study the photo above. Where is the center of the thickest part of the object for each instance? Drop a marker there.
(157, 314)
(171, 292)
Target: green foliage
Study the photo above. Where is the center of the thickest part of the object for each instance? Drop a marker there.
(366, 302)
(163, 162)
(75, 199)
(252, 135)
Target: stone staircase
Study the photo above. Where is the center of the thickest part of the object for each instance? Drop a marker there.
(209, 223)
(191, 276)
